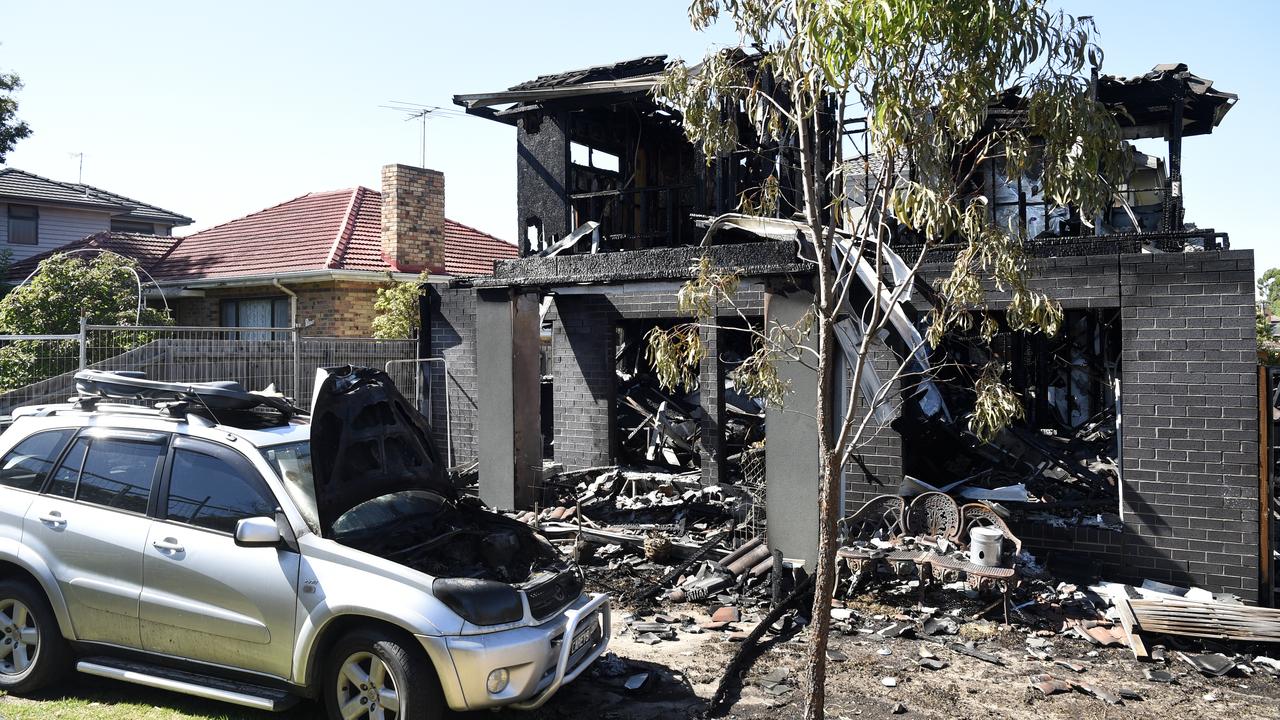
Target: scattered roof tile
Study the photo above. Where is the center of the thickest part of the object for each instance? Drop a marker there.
(148, 250)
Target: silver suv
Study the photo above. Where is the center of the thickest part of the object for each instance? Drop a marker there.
(219, 544)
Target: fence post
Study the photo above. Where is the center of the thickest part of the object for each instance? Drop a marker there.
(297, 366)
(84, 341)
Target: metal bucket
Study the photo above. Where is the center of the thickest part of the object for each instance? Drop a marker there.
(985, 544)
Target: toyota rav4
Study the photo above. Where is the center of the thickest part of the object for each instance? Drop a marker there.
(217, 543)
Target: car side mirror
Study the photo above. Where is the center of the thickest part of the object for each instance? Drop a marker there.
(257, 532)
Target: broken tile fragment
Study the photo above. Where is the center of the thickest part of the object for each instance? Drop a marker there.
(1049, 684)
(636, 683)
(725, 615)
(1212, 664)
(1100, 692)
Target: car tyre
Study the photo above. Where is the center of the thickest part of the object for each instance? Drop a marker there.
(33, 653)
(375, 674)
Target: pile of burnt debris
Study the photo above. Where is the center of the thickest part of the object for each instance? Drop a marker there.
(661, 429)
(1053, 476)
(679, 560)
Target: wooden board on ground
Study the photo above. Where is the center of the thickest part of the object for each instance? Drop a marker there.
(1130, 625)
(1215, 620)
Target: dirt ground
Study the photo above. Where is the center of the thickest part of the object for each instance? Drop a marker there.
(684, 673)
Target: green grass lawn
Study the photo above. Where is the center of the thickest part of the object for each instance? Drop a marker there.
(82, 697)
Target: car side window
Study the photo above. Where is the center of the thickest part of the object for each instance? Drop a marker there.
(118, 473)
(67, 476)
(214, 494)
(27, 465)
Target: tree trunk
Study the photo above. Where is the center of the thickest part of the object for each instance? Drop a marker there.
(828, 516)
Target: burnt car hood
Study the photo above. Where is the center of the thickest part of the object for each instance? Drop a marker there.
(368, 440)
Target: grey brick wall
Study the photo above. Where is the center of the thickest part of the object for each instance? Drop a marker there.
(881, 454)
(585, 386)
(453, 337)
(1190, 427)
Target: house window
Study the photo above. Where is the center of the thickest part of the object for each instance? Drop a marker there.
(256, 313)
(24, 225)
(132, 226)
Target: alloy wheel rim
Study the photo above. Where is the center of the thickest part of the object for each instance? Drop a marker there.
(366, 689)
(19, 637)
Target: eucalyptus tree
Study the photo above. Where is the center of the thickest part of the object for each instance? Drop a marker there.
(12, 129)
(924, 74)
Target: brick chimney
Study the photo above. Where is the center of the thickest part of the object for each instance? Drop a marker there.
(413, 218)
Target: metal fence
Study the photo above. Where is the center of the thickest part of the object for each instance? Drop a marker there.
(41, 369)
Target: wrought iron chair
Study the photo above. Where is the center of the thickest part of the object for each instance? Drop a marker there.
(879, 518)
(934, 514)
(1005, 579)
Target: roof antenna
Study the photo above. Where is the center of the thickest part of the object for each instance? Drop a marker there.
(416, 111)
(80, 175)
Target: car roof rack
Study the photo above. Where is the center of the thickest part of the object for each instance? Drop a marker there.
(226, 402)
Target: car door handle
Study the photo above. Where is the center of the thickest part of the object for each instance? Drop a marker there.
(53, 518)
(168, 545)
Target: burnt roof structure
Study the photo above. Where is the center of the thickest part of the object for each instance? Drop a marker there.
(629, 79)
(1145, 105)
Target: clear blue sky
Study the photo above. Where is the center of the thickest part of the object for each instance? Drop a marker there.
(219, 109)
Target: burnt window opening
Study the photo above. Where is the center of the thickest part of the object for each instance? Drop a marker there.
(662, 428)
(1018, 202)
(533, 237)
(657, 427)
(595, 158)
(744, 420)
(1062, 457)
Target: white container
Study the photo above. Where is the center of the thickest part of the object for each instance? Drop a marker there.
(985, 544)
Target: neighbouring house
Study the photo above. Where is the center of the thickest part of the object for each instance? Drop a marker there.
(616, 208)
(40, 214)
(316, 260)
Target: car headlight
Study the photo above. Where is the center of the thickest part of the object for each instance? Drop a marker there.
(480, 602)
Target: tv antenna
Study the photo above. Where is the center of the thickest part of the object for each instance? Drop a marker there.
(80, 175)
(420, 112)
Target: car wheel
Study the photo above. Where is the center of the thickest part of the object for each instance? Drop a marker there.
(375, 675)
(32, 652)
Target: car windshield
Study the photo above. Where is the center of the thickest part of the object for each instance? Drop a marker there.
(292, 462)
(393, 510)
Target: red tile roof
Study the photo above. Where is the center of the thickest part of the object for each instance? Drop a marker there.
(336, 230)
(148, 250)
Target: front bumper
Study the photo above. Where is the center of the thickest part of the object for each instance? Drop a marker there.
(538, 660)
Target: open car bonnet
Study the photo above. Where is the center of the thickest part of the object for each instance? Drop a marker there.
(367, 441)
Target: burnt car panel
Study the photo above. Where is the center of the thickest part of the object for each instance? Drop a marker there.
(380, 488)
(367, 441)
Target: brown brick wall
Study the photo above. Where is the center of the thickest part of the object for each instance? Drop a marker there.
(338, 308)
(413, 218)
